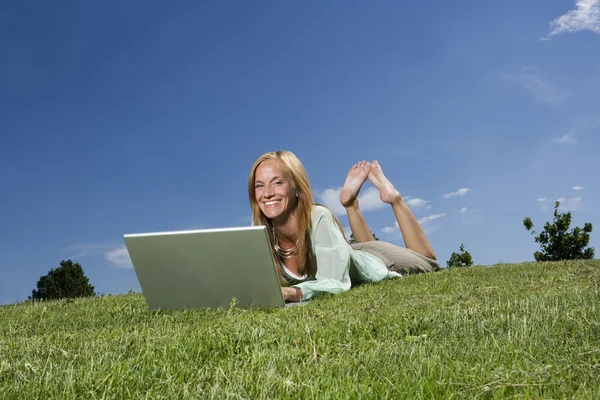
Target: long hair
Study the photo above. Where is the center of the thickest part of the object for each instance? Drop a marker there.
(307, 263)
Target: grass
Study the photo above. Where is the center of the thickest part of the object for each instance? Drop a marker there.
(507, 331)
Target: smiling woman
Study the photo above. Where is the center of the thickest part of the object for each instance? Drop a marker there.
(311, 251)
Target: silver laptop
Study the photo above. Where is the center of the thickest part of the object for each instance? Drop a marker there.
(206, 268)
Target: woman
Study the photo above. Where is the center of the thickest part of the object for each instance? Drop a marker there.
(309, 246)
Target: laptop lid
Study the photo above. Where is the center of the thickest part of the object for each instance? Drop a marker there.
(206, 268)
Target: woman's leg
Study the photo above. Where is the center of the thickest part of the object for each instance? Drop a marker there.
(398, 259)
(349, 198)
(414, 237)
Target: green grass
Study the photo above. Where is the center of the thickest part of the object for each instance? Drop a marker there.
(507, 331)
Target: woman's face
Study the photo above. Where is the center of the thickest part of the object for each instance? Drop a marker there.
(274, 191)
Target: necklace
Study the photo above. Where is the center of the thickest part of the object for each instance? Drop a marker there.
(284, 253)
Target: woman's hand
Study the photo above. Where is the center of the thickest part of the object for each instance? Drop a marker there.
(291, 294)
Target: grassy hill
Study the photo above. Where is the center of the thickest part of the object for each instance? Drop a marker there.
(506, 331)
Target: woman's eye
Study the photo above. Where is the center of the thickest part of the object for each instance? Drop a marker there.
(258, 186)
(278, 183)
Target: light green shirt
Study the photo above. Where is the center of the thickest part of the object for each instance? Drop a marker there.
(338, 264)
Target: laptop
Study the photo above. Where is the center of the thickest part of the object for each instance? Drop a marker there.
(206, 268)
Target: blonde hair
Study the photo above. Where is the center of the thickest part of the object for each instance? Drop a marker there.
(307, 263)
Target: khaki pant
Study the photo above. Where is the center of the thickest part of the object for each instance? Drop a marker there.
(398, 259)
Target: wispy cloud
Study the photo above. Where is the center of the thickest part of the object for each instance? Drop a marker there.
(470, 216)
(569, 138)
(578, 187)
(368, 201)
(80, 250)
(431, 217)
(566, 204)
(390, 229)
(542, 90)
(331, 198)
(424, 221)
(543, 202)
(119, 257)
(459, 192)
(416, 202)
(584, 125)
(572, 204)
(585, 17)
(427, 223)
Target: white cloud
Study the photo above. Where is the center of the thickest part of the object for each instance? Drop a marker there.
(584, 125)
(119, 257)
(542, 90)
(331, 198)
(80, 250)
(586, 16)
(459, 192)
(470, 216)
(569, 138)
(572, 204)
(543, 202)
(391, 229)
(424, 221)
(578, 187)
(428, 227)
(416, 202)
(368, 201)
(431, 217)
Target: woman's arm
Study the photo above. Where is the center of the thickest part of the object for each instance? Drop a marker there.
(292, 294)
(333, 257)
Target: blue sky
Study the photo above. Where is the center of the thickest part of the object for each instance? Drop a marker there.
(145, 116)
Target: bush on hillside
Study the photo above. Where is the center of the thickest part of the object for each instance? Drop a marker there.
(461, 259)
(66, 281)
(559, 244)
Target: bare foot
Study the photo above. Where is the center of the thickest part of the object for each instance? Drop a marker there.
(356, 177)
(387, 191)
